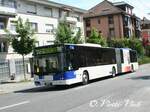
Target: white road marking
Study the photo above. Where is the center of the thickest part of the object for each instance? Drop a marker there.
(14, 105)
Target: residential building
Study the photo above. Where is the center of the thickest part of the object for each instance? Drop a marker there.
(146, 31)
(44, 16)
(112, 20)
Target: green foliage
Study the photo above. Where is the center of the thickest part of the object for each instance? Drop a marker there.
(23, 43)
(147, 49)
(116, 43)
(134, 44)
(96, 38)
(65, 34)
(77, 37)
(144, 60)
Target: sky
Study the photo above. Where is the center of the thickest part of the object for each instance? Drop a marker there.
(141, 7)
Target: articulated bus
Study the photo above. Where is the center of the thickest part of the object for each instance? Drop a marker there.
(73, 63)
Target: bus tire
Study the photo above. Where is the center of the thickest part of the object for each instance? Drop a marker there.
(113, 72)
(85, 78)
(132, 68)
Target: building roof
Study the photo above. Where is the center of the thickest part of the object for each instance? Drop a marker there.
(145, 21)
(102, 9)
(59, 5)
(122, 3)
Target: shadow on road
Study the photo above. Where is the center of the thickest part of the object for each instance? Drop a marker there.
(45, 89)
(60, 88)
(146, 77)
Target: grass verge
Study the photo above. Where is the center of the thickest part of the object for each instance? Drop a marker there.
(144, 60)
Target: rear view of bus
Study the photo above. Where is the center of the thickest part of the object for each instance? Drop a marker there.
(126, 60)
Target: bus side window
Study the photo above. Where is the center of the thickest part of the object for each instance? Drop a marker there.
(47, 65)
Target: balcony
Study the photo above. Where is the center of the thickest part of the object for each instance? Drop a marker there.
(2, 32)
(7, 9)
(71, 19)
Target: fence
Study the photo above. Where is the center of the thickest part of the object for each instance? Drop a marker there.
(13, 69)
(4, 70)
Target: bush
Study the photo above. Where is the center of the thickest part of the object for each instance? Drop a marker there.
(147, 50)
(96, 38)
(65, 34)
(134, 44)
(116, 43)
(144, 60)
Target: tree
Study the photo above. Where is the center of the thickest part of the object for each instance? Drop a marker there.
(134, 44)
(77, 37)
(96, 38)
(65, 34)
(23, 43)
(137, 45)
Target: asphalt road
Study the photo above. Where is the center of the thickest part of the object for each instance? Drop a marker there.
(126, 93)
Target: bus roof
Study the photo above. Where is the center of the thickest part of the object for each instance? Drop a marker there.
(85, 44)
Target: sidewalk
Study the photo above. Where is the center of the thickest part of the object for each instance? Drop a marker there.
(15, 86)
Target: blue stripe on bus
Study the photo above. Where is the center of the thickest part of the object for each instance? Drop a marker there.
(41, 77)
(65, 76)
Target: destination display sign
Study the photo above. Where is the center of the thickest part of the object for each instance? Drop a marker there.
(48, 50)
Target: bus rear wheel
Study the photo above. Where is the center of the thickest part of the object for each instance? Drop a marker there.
(113, 72)
(132, 68)
(85, 78)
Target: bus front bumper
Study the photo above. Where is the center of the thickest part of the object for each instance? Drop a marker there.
(51, 83)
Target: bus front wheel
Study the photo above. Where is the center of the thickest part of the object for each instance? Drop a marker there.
(85, 78)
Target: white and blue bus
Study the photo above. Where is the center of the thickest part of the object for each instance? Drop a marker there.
(73, 63)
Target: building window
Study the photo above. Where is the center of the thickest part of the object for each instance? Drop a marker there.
(63, 13)
(4, 69)
(1, 2)
(100, 32)
(31, 8)
(19, 66)
(112, 32)
(127, 33)
(49, 28)
(48, 11)
(13, 25)
(88, 23)
(138, 26)
(34, 26)
(88, 33)
(2, 26)
(99, 21)
(3, 47)
(110, 19)
(126, 21)
(2, 23)
(8, 3)
(11, 3)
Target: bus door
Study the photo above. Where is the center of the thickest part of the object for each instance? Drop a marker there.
(118, 60)
(126, 57)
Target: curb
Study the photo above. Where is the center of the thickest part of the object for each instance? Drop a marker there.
(3, 92)
(14, 86)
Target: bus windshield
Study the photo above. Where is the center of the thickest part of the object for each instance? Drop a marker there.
(47, 64)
